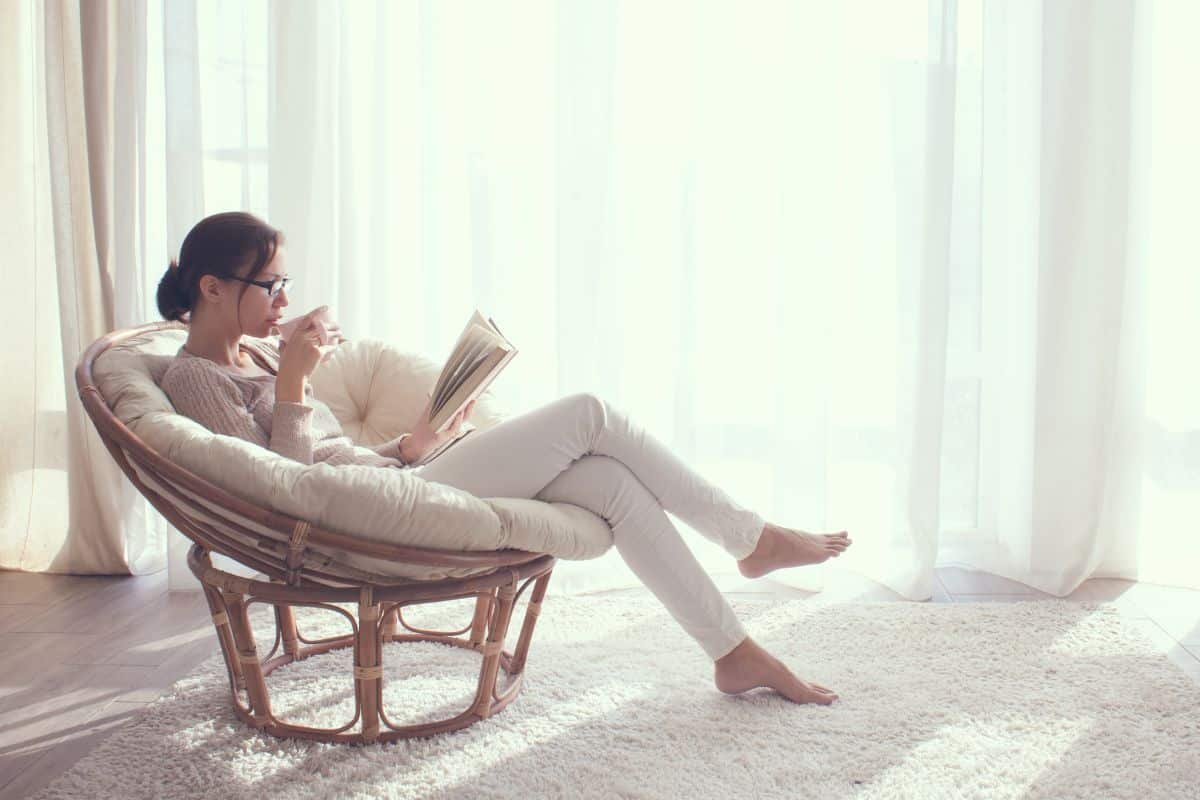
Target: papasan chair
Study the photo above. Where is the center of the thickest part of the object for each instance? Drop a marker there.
(378, 539)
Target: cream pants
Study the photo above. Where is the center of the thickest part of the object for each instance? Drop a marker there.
(583, 451)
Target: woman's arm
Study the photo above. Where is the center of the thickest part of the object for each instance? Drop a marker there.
(390, 448)
(214, 399)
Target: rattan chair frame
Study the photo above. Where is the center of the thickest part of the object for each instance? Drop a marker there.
(297, 575)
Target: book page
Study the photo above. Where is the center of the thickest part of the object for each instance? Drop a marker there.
(476, 383)
(470, 366)
(478, 356)
(496, 329)
(456, 353)
(476, 344)
(462, 395)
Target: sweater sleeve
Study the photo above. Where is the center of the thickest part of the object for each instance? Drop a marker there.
(216, 402)
(389, 449)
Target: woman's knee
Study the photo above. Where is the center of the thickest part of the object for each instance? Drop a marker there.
(602, 485)
(580, 417)
(589, 408)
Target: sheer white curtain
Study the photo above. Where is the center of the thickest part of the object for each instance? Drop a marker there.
(718, 221)
(906, 269)
(77, 225)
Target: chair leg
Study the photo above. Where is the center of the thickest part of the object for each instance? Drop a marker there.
(247, 655)
(285, 618)
(501, 612)
(368, 672)
(517, 664)
(224, 636)
(483, 604)
(391, 624)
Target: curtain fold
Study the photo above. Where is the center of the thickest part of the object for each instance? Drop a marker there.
(93, 56)
(33, 477)
(1060, 294)
(1085, 276)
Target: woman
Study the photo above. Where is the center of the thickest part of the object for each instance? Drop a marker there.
(231, 281)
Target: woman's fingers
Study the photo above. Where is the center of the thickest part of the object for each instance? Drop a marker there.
(457, 421)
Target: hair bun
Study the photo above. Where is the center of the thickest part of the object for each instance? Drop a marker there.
(172, 294)
(176, 278)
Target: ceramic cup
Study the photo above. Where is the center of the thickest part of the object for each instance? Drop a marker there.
(323, 317)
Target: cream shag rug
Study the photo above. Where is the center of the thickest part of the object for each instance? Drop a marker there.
(1039, 699)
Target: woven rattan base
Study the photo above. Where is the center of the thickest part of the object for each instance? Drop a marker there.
(380, 619)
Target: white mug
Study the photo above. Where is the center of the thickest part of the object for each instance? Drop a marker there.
(321, 315)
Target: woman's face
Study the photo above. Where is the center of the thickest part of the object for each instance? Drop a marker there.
(258, 310)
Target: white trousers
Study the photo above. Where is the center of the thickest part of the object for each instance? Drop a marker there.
(581, 450)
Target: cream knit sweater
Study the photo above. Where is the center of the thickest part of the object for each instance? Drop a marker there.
(242, 406)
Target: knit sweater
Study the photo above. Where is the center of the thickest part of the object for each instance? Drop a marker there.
(239, 405)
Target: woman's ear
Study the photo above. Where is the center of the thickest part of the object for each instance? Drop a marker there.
(210, 288)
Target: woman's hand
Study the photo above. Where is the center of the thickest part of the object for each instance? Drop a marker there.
(329, 329)
(298, 357)
(423, 439)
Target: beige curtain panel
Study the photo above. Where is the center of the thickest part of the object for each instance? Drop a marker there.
(72, 124)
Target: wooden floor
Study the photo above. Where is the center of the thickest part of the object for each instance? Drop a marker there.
(82, 654)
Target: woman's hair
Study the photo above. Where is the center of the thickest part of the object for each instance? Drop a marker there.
(219, 245)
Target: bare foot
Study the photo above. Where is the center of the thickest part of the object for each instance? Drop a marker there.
(783, 547)
(748, 666)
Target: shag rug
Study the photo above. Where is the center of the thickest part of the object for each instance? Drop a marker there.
(1038, 699)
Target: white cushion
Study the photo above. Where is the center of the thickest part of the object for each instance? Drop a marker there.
(376, 391)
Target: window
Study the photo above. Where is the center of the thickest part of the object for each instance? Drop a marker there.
(232, 60)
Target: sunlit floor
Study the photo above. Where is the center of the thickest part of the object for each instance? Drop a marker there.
(81, 654)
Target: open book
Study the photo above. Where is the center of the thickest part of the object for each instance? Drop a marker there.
(479, 355)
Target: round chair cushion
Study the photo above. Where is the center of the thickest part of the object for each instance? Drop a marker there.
(376, 391)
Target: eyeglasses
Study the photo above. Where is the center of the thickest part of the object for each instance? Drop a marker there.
(273, 287)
